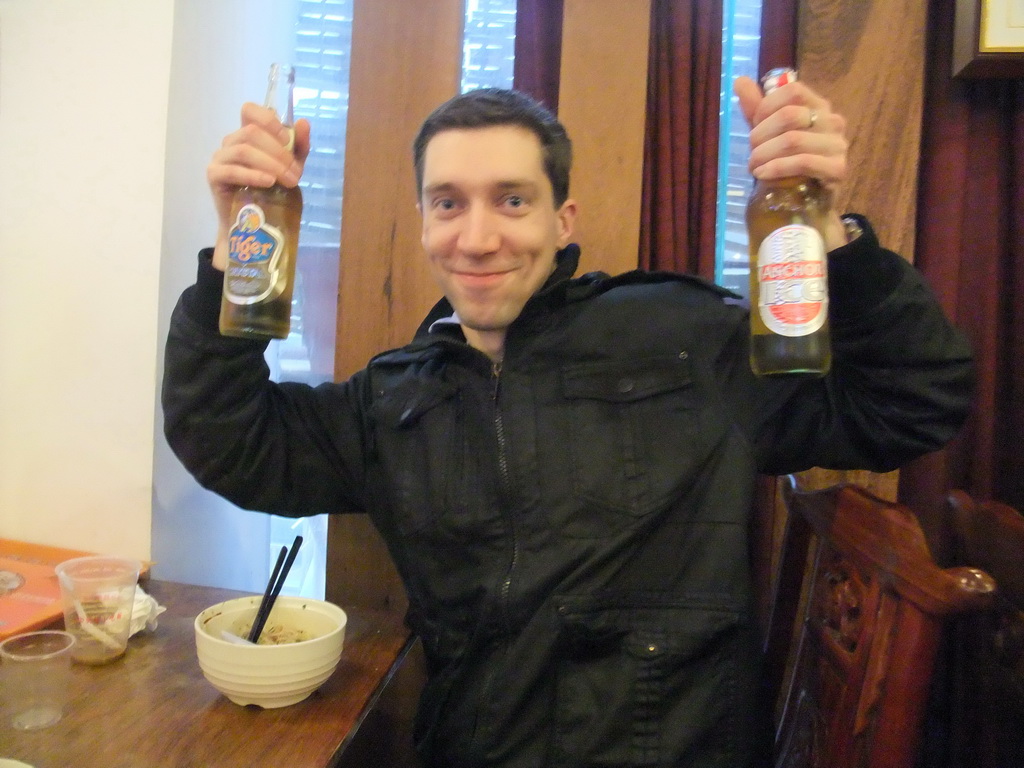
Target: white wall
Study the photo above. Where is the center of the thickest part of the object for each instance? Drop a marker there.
(109, 112)
(83, 122)
(222, 50)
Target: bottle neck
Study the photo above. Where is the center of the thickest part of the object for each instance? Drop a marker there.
(280, 88)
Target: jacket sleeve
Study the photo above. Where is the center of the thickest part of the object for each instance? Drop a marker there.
(901, 379)
(289, 449)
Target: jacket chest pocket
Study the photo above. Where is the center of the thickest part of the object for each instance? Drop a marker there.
(636, 431)
(421, 443)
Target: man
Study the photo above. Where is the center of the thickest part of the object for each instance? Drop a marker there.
(563, 468)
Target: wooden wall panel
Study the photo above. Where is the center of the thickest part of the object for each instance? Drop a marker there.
(602, 103)
(868, 59)
(406, 59)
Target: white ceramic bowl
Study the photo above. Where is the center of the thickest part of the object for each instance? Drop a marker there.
(270, 675)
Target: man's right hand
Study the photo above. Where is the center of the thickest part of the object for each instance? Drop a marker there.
(256, 155)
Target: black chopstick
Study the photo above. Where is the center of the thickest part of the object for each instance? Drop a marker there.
(277, 579)
(264, 609)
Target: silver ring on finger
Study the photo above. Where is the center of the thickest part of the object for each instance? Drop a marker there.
(812, 119)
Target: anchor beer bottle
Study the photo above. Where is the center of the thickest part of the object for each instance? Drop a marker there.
(263, 243)
(788, 276)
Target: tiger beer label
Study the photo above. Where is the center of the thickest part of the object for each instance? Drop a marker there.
(254, 254)
(793, 287)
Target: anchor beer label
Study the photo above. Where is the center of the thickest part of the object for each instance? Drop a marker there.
(254, 254)
(793, 296)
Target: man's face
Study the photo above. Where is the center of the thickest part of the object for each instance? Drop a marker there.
(490, 226)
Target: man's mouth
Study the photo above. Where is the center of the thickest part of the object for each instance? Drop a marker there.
(480, 279)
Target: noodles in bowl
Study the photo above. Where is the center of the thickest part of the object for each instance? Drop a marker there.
(274, 634)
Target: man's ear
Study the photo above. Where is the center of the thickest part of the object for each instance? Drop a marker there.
(423, 224)
(566, 222)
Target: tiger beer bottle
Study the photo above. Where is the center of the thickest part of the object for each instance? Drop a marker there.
(263, 242)
(788, 276)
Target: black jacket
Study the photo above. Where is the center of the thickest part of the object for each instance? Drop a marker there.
(572, 530)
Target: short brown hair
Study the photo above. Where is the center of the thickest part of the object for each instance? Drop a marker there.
(486, 107)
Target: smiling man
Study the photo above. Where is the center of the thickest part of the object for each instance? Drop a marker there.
(493, 197)
(563, 468)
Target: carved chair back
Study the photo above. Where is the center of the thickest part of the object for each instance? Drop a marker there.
(856, 620)
(988, 699)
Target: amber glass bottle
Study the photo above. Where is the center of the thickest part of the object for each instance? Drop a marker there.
(788, 275)
(263, 243)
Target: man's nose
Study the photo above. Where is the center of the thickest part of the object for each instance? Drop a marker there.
(479, 235)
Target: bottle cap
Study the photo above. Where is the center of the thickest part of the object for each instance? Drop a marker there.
(775, 78)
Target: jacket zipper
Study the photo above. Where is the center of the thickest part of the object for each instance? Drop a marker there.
(506, 487)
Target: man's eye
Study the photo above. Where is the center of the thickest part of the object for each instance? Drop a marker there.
(444, 204)
(515, 201)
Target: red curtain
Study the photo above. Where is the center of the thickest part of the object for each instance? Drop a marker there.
(970, 234)
(538, 50)
(677, 226)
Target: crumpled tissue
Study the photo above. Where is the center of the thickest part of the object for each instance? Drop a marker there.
(144, 612)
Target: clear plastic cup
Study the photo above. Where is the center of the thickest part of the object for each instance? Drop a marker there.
(36, 667)
(98, 593)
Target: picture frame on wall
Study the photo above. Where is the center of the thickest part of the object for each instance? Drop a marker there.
(988, 39)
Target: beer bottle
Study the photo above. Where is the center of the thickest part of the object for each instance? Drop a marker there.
(263, 242)
(788, 276)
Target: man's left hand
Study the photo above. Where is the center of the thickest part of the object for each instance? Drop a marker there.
(794, 132)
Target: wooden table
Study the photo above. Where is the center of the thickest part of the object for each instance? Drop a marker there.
(153, 707)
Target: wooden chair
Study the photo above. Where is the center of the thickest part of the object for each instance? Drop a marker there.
(855, 626)
(988, 687)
